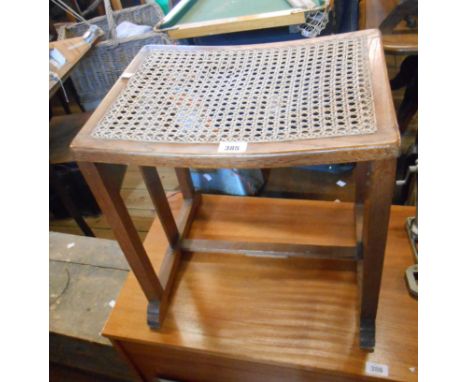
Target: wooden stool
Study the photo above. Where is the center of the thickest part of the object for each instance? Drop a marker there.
(306, 102)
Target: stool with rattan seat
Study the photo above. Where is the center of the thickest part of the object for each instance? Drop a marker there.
(306, 102)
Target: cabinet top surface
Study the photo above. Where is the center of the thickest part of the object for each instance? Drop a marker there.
(300, 97)
(299, 313)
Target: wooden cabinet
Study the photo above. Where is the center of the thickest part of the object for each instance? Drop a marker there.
(247, 318)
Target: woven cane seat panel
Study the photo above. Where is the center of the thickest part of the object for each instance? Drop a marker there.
(259, 94)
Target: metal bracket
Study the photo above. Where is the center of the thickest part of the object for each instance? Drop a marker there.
(411, 276)
(411, 170)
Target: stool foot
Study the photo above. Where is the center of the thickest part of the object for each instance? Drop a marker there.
(367, 335)
(153, 314)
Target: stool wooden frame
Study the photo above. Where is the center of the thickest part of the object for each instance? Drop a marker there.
(103, 161)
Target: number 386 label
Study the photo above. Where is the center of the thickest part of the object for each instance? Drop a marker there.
(376, 369)
(232, 147)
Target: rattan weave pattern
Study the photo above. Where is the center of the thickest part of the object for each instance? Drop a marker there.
(260, 94)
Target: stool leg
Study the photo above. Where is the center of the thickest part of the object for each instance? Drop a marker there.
(174, 232)
(376, 214)
(185, 182)
(105, 187)
(360, 178)
(161, 205)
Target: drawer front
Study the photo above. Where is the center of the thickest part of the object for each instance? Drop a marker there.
(155, 362)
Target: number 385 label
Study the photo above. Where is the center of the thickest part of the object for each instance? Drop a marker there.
(232, 147)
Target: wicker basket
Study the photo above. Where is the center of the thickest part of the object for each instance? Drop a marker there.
(101, 67)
